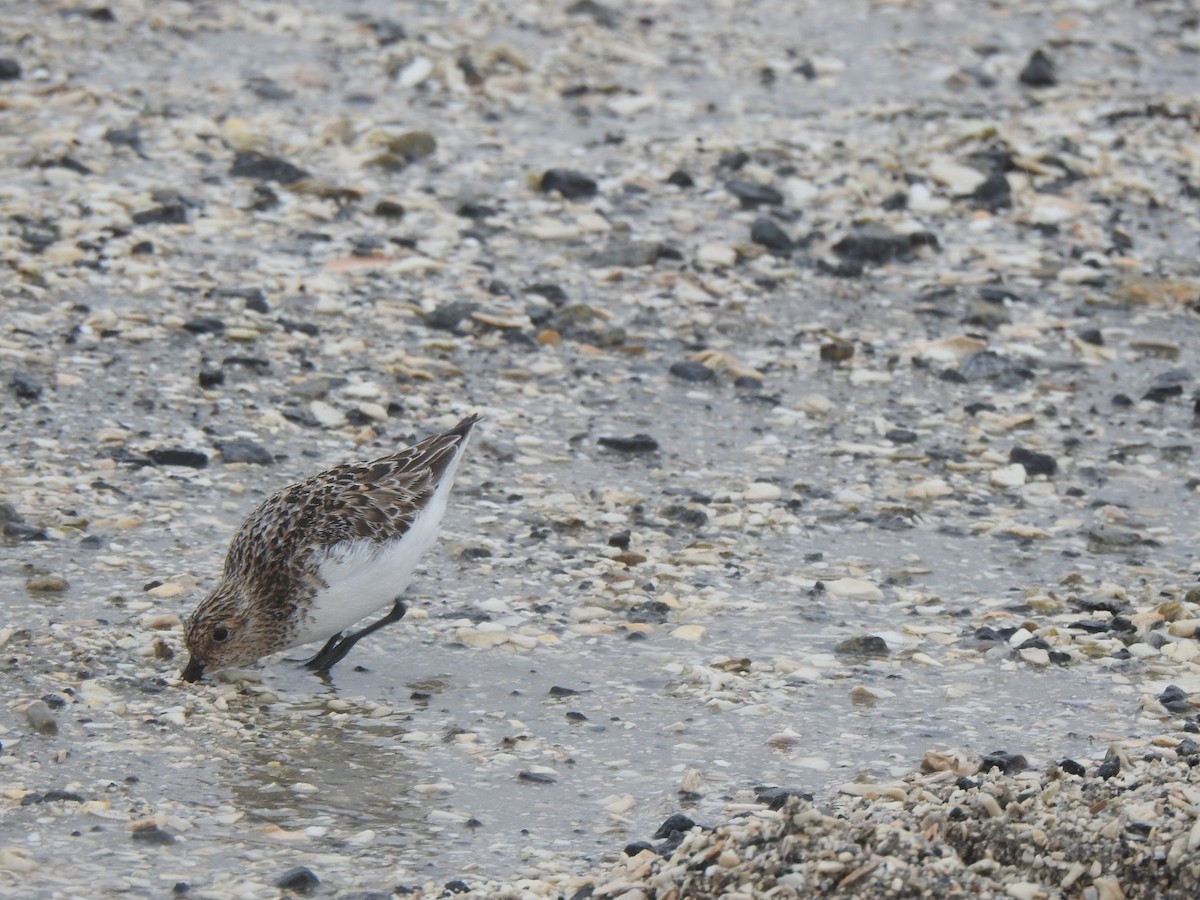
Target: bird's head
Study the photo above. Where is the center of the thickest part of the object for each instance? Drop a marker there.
(223, 631)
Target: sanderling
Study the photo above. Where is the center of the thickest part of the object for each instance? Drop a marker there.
(323, 553)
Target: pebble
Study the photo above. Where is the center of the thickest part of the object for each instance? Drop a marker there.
(41, 718)
(242, 450)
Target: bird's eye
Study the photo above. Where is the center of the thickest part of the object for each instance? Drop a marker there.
(220, 634)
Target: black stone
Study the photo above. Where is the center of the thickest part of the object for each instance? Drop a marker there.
(1039, 71)
(1033, 462)
(620, 540)
(686, 515)
(877, 245)
(242, 450)
(866, 645)
(571, 184)
(676, 822)
(1167, 384)
(255, 297)
(475, 553)
(984, 365)
(142, 248)
(963, 783)
(638, 443)
(1175, 699)
(389, 209)
(557, 690)
(1072, 768)
(10, 69)
(768, 233)
(265, 168)
(178, 456)
(153, 837)
(994, 193)
(602, 15)
(1007, 763)
(1187, 747)
(1109, 767)
(692, 370)
(775, 797)
(448, 316)
(308, 328)
(476, 211)
(300, 879)
(1092, 336)
(752, 194)
(682, 179)
(25, 386)
(637, 847)
(1091, 626)
(204, 325)
(536, 777)
(901, 436)
(457, 887)
(210, 378)
(167, 214)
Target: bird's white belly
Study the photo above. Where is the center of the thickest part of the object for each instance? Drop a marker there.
(364, 578)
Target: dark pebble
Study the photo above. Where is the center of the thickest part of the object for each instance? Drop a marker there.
(692, 370)
(308, 328)
(475, 553)
(1007, 763)
(998, 293)
(1091, 626)
(10, 69)
(1109, 767)
(181, 887)
(637, 847)
(536, 777)
(154, 837)
(775, 797)
(868, 645)
(457, 887)
(752, 194)
(639, 443)
(602, 15)
(1039, 71)
(901, 436)
(963, 783)
(241, 450)
(448, 316)
(25, 386)
(210, 378)
(145, 248)
(620, 540)
(178, 456)
(1121, 400)
(680, 178)
(474, 210)
(204, 325)
(265, 168)
(984, 365)
(1175, 699)
(768, 233)
(1167, 384)
(571, 184)
(62, 796)
(626, 254)
(877, 244)
(1034, 463)
(686, 515)
(557, 690)
(553, 293)
(300, 879)
(389, 209)
(388, 32)
(1187, 747)
(836, 351)
(995, 193)
(167, 214)
(1092, 336)
(676, 822)
(1072, 768)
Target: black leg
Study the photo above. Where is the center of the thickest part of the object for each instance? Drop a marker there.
(337, 647)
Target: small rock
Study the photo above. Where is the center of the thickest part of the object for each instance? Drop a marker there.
(1008, 476)
(46, 584)
(1039, 71)
(1034, 463)
(300, 879)
(25, 387)
(692, 370)
(327, 416)
(626, 254)
(388, 209)
(676, 822)
(1007, 763)
(178, 456)
(716, 256)
(265, 168)
(994, 193)
(571, 184)
(639, 443)
(762, 492)
(1109, 767)
(448, 316)
(41, 718)
(153, 836)
(752, 194)
(536, 777)
(10, 69)
(877, 244)
(242, 450)
(681, 179)
(866, 645)
(768, 233)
